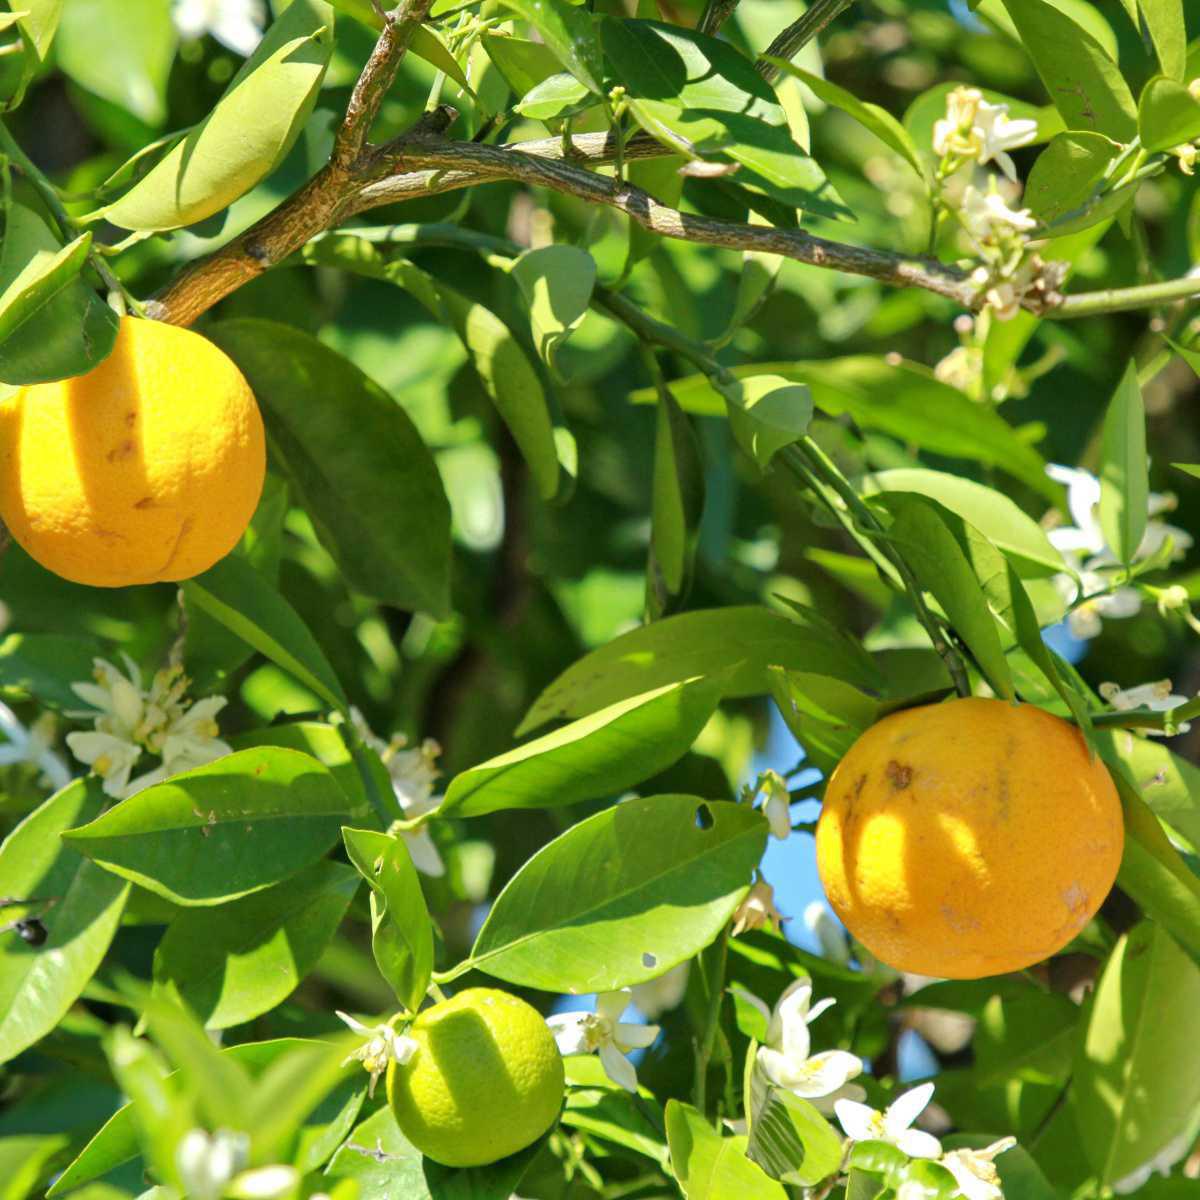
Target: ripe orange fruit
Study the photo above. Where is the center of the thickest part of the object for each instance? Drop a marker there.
(148, 468)
(968, 838)
(486, 1081)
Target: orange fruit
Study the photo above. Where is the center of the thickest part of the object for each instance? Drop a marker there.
(486, 1080)
(968, 838)
(148, 468)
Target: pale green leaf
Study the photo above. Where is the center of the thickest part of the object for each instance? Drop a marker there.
(1124, 481)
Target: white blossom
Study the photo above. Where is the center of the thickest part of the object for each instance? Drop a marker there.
(1155, 696)
(413, 774)
(276, 1182)
(33, 745)
(207, 1162)
(988, 218)
(975, 1172)
(191, 740)
(757, 909)
(663, 993)
(382, 1047)
(603, 1033)
(832, 937)
(236, 24)
(786, 1059)
(863, 1123)
(975, 129)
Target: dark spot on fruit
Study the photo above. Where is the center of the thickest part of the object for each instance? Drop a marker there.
(145, 502)
(123, 451)
(899, 775)
(131, 419)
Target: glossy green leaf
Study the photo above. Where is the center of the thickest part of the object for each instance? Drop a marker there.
(766, 413)
(232, 964)
(1063, 186)
(943, 568)
(677, 505)
(701, 98)
(28, 1161)
(401, 932)
(622, 896)
(523, 63)
(79, 905)
(1081, 78)
(1136, 1084)
(246, 136)
(39, 22)
(554, 99)
(57, 325)
(611, 1114)
(1168, 783)
(121, 50)
(567, 28)
(901, 400)
(1030, 1036)
(601, 754)
(557, 283)
(736, 643)
(44, 665)
(1165, 24)
(1124, 481)
(791, 1141)
(340, 458)
(990, 511)
(711, 1167)
(870, 116)
(504, 368)
(237, 596)
(1168, 115)
(240, 824)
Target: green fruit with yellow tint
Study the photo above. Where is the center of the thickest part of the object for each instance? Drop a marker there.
(486, 1079)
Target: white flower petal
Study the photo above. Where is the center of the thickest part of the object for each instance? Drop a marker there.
(917, 1144)
(858, 1120)
(635, 1037)
(570, 1032)
(610, 1005)
(907, 1107)
(826, 1073)
(618, 1068)
(424, 853)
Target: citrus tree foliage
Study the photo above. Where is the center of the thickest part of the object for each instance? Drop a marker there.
(637, 374)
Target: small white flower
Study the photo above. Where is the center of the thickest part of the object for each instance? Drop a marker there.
(989, 219)
(604, 1033)
(777, 807)
(975, 1172)
(956, 132)
(1155, 696)
(111, 757)
(192, 739)
(1000, 133)
(236, 24)
(119, 699)
(757, 909)
(664, 993)
(785, 1057)
(278, 1182)
(974, 129)
(207, 1162)
(1186, 154)
(832, 937)
(33, 745)
(863, 1123)
(382, 1047)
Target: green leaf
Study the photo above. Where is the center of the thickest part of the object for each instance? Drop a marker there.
(79, 905)
(1168, 115)
(611, 1114)
(232, 964)
(567, 28)
(603, 754)
(237, 596)
(553, 99)
(39, 22)
(1063, 182)
(703, 99)
(28, 1161)
(791, 1141)
(998, 518)
(55, 325)
(42, 666)
(1084, 83)
(557, 283)
(1169, 784)
(1153, 874)
(340, 458)
(121, 50)
(524, 64)
(622, 896)
(1165, 24)
(401, 932)
(1030, 1036)
(677, 506)
(246, 136)
(711, 1167)
(766, 413)
(736, 643)
(902, 400)
(1136, 1085)
(1124, 482)
(222, 831)
(507, 374)
(1019, 1173)
(870, 116)
(943, 568)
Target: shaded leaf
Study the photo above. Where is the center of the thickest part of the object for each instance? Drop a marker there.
(1124, 479)
(766, 413)
(567, 29)
(1168, 115)
(709, 1166)
(557, 283)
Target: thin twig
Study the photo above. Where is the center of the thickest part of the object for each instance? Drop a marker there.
(716, 14)
(797, 35)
